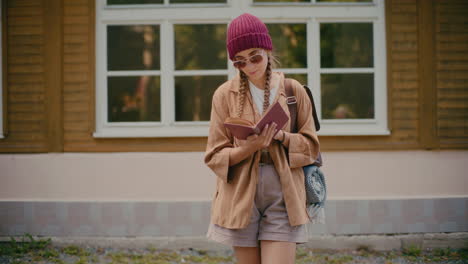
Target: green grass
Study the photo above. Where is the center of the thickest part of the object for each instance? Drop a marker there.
(28, 250)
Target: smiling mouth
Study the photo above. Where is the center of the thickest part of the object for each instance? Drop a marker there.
(253, 72)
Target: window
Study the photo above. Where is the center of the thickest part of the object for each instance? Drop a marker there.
(159, 62)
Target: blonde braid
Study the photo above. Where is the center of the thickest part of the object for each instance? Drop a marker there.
(266, 98)
(244, 86)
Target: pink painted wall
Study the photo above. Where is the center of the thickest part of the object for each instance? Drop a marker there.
(183, 176)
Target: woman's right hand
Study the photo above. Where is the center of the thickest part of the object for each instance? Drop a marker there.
(263, 140)
(252, 144)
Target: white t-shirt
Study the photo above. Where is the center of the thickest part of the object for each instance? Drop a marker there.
(257, 95)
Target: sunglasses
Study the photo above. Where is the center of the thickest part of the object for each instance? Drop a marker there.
(255, 59)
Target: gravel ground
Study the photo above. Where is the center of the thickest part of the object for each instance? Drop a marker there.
(42, 251)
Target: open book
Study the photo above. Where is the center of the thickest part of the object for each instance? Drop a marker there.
(242, 128)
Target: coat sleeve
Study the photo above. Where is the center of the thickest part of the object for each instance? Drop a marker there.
(303, 146)
(219, 143)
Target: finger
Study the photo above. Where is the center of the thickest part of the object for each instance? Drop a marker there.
(269, 135)
(265, 130)
(252, 137)
(272, 131)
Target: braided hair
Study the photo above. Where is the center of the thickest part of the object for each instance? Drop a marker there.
(244, 86)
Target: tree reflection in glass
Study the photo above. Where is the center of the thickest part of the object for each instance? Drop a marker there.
(133, 48)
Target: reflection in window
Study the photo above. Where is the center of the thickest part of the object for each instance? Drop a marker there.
(290, 44)
(279, 1)
(345, 45)
(347, 1)
(197, 1)
(133, 47)
(133, 2)
(134, 98)
(200, 46)
(193, 96)
(347, 96)
(302, 78)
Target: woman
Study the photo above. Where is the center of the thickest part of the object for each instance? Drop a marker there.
(259, 208)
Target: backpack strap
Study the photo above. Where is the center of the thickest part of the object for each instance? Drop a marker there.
(292, 103)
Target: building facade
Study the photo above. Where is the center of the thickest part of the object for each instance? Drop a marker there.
(105, 111)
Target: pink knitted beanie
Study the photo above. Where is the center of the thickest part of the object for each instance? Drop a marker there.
(247, 31)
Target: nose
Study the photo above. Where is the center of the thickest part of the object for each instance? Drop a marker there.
(249, 67)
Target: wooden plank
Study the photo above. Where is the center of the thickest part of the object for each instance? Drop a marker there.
(25, 68)
(76, 10)
(403, 28)
(404, 8)
(76, 29)
(75, 58)
(68, 3)
(24, 11)
(24, 3)
(75, 77)
(16, 78)
(403, 114)
(25, 40)
(75, 68)
(407, 85)
(74, 106)
(405, 66)
(80, 97)
(76, 117)
(454, 56)
(25, 60)
(410, 36)
(76, 87)
(404, 46)
(25, 88)
(24, 21)
(76, 20)
(25, 108)
(405, 94)
(452, 65)
(405, 56)
(53, 76)
(427, 89)
(26, 126)
(25, 30)
(28, 50)
(15, 98)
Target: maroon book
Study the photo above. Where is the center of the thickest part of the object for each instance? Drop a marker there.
(242, 128)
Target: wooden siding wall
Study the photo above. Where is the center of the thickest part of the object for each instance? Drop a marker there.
(26, 123)
(452, 72)
(51, 89)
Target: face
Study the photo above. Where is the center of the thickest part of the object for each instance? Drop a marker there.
(252, 62)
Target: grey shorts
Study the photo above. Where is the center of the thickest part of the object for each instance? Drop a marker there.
(269, 220)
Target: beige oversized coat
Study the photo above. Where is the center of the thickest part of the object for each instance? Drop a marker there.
(236, 185)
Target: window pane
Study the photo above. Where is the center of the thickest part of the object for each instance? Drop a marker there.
(133, 2)
(200, 47)
(197, 1)
(347, 96)
(279, 1)
(193, 96)
(344, 45)
(134, 98)
(302, 78)
(347, 1)
(133, 47)
(290, 44)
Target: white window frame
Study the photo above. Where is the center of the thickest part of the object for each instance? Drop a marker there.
(167, 16)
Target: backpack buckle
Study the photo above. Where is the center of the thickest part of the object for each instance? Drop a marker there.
(291, 100)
